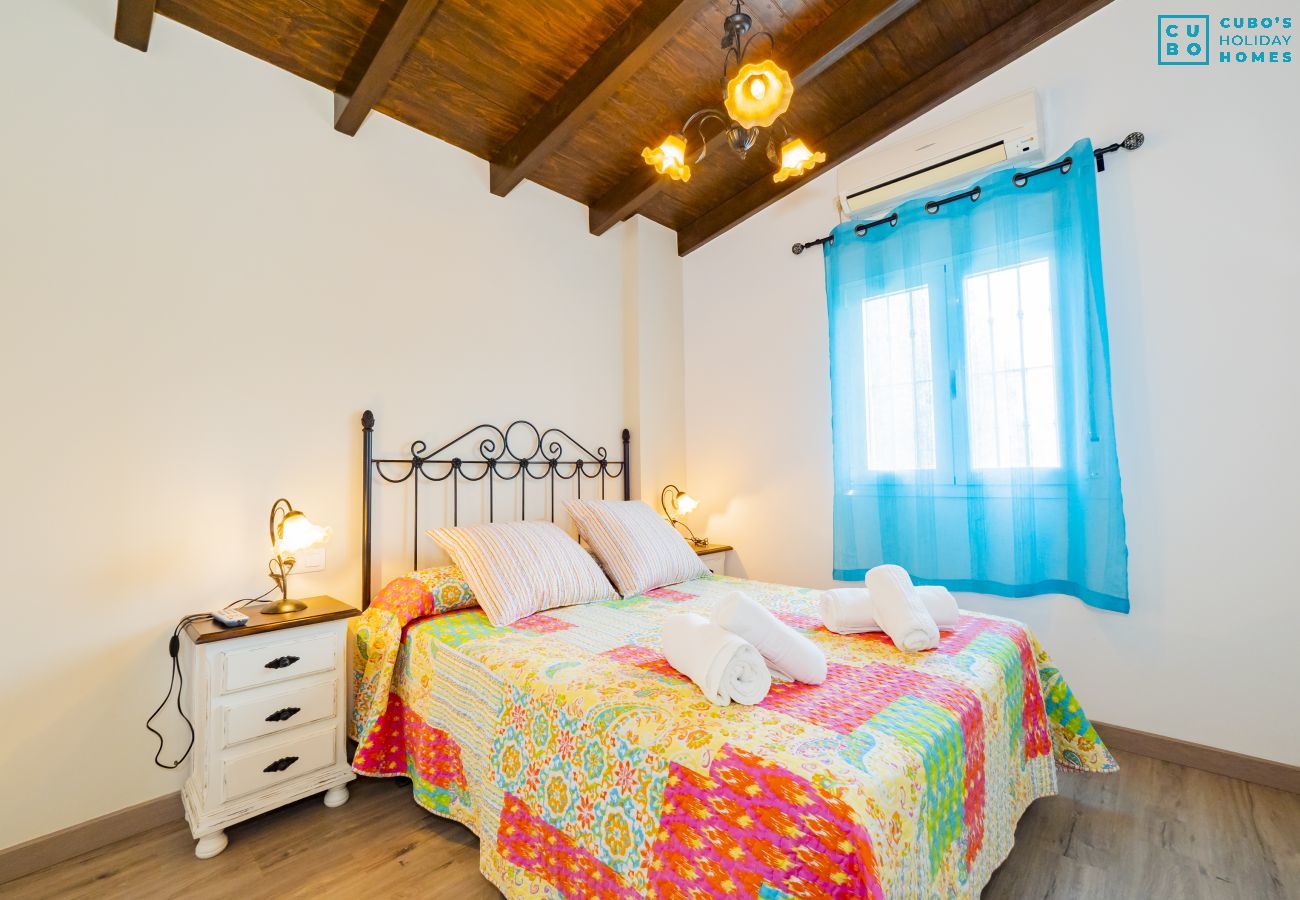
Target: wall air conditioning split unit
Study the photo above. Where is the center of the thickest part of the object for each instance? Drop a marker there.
(881, 179)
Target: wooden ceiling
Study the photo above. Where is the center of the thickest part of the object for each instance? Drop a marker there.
(567, 92)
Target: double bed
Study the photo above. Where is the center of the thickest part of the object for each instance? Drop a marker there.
(588, 767)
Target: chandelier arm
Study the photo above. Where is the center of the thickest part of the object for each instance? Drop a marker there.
(771, 41)
(697, 119)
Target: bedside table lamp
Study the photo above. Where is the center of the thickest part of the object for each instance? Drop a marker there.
(676, 502)
(291, 532)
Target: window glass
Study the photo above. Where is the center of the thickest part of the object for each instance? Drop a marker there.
(899, 376)
(1011, 368)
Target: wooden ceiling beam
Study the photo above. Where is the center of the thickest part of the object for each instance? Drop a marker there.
(1009, 41)
(382, 51)
(850, 26)
(134, 22)
(640, 37)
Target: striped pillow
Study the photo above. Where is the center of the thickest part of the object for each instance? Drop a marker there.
(518, 568)
(638, 549)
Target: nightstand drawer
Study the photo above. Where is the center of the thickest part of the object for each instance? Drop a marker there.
(278, 763)
(256, 718)
(276, 662)
(717, 562)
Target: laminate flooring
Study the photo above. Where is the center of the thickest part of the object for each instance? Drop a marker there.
(1155, 830)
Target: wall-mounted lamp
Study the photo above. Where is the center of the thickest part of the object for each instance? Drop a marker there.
(291, 533)
(676, 502)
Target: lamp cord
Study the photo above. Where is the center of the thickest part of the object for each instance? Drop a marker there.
(177, 682)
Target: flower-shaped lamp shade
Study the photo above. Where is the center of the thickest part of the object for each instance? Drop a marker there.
(796, 159)
(297, 532)
(759, 94)
(685, 503)
(669, 158)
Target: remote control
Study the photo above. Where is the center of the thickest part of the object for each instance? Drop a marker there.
(231, 618)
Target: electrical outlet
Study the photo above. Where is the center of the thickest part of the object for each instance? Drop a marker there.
(312, 560)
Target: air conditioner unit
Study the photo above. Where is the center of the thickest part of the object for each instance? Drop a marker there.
(879, 180)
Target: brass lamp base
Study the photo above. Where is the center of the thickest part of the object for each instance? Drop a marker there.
(281, 607)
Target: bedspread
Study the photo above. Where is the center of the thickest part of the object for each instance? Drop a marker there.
(589, 767)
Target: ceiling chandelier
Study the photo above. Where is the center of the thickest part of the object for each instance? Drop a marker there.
(755, 95)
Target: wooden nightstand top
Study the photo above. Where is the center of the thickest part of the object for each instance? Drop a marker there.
(319, 609)
(705, 549)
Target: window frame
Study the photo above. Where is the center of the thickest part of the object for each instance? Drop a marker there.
(945, 283)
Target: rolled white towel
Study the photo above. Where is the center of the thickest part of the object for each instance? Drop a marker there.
(725, 666)
(785, 649)
(850, 611)
(847, 610)
(941, 605)
(900, 611)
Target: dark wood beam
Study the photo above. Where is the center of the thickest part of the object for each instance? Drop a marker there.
(640, 37)
(1007, 42)
(134, 22)
(850, 26)
(393, 33)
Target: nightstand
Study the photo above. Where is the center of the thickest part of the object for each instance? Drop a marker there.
(269, 713)
(714, 556)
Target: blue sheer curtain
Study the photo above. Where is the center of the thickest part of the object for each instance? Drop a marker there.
(974, 442)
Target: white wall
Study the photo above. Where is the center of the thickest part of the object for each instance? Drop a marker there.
(1200, 237)
(654, 392)
(202, 286)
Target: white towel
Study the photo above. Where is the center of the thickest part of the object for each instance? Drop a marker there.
(850, 611)
(725, 666)
(786, 650)
(900, 611)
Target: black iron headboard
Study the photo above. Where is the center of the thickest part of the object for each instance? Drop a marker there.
(541, 458)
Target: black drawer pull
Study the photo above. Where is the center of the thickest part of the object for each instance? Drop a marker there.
(283, 715)
(281, 662)
(281, 764)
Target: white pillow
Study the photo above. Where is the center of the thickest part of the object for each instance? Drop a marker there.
(516, 569)
(638, 549)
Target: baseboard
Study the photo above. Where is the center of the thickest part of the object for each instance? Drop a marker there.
(38, 853)
(1198, 756)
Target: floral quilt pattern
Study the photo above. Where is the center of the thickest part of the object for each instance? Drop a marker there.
(589, 767)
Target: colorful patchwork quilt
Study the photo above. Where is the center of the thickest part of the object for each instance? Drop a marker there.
(588, 767)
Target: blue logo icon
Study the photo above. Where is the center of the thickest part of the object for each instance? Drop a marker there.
(1183, 40)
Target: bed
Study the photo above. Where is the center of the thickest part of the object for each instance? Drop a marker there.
(589, 767)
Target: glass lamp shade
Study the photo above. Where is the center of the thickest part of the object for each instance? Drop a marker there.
(796, 159)
(758, 94)
(669, 158)
(297, 532)
(685, 503)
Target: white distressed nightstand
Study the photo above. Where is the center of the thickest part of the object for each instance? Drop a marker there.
(269, 714)
(714, 556)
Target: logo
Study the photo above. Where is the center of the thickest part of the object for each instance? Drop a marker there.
(1184, 40)
(1187, 41)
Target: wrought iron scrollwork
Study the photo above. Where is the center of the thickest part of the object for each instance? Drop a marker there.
(520, 452)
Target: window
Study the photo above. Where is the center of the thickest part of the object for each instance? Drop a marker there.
(1011, 368)
(899, 381)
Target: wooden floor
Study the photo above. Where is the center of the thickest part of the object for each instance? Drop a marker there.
(1155, 830)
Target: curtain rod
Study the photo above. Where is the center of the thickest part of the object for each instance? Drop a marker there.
(1134, 140)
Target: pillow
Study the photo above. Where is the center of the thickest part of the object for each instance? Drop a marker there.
(516, 569)
(426, 593)
(638, 549)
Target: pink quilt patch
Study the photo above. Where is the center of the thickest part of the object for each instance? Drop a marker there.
(401, 743)
(798, 620)
(540, 848)
(542, 624)
(748, 825)
(664, 593)
(644, 658)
